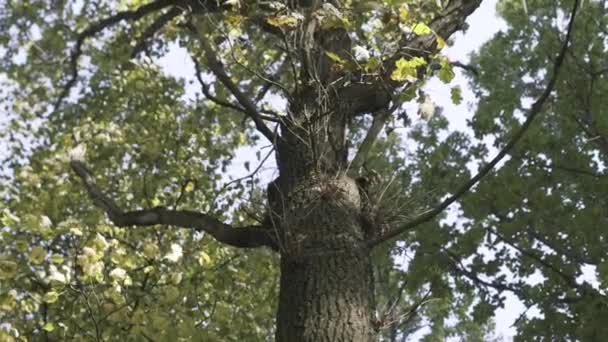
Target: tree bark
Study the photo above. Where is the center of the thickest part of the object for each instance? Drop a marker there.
(326, 297)
(326, 286)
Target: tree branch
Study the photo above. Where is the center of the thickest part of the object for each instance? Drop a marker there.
(246, 237)
(151, 30)
(368, 142)
(466, 67)
(264, 115)
(96, 28)
(444, 25)
(220, 73)
(533, 112)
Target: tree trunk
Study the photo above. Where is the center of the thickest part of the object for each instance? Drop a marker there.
(326, 297)
(326, 288)
(326, 283)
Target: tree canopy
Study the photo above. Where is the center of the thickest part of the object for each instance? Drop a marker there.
(123, 216)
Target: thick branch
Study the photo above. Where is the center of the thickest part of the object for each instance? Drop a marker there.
(368, 142)
(246, 237)
(220, 73)
(444, 25)
(533, 112)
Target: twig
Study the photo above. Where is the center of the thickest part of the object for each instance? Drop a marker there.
(156, 26)
(94, 29)
(218, 70)
(466, 67)
(533, 113)
(368, 142)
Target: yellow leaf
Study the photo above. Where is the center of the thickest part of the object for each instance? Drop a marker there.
(406, 69)
(155, 202)
(234, 20)
(335, 57)
(50, 297)
(204, 258)
(440, 42)
(283, 21)
(37, 255)
(404, 14)
(48, 327)
(422, 29)
(56, 258)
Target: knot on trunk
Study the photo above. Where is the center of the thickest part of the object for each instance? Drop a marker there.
(320, 213)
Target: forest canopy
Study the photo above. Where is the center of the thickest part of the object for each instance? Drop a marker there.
(296, 186)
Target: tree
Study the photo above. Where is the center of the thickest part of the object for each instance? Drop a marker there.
(120, 221)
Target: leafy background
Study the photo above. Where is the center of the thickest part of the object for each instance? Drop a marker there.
(528, 230)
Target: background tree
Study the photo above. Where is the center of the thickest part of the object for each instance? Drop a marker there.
(320, 87)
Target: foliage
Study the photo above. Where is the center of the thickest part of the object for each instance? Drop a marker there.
(154, 139)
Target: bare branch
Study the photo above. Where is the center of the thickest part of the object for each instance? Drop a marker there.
(270, 115)
(96, 28)
(461, 269)
(151, 30)
(206, 91)
(246, 237)
(466, 67)
(533, 112)
(218, 70)
(533, 234)
(368, 142)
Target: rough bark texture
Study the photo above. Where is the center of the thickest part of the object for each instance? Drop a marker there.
(326, 297)
(326, 278)
(326, 288)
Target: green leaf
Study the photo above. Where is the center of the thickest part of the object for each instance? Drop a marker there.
(372, 64)
(405, 69)
(446, 73)
(37, 255)
(456, 95)
(8, 269)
